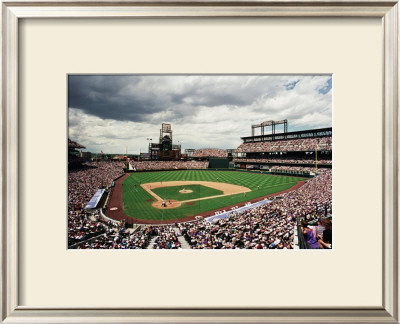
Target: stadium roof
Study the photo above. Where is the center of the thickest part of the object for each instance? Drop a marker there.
(297, 134)
(72, 144)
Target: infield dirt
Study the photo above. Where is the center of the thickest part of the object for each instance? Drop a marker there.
(117, 214)
(226, 188)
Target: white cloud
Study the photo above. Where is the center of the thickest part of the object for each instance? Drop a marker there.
(205, 111)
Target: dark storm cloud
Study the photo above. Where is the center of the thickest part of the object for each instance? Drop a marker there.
(138, 98)
(108, 97)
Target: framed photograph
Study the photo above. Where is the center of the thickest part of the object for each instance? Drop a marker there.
(116, 93)
(202, 180)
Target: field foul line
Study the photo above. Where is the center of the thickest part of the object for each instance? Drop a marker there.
(209, 197)
(233, 195)
(185, 201)
(153, 194)
(158, 198)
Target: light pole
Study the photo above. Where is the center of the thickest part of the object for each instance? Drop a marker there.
(148, 146)
(180, 148)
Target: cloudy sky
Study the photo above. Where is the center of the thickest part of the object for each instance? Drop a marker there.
(111, 112)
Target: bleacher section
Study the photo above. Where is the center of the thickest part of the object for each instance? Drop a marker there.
(168, 165)
(301, 152)
(297, 145)
(210, 152)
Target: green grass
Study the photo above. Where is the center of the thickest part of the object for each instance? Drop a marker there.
(138, 202)
(173, 193)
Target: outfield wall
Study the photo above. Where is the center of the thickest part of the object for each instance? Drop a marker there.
(227, 169)
(218, 163)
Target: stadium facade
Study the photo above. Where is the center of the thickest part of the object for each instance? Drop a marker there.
(298, 153)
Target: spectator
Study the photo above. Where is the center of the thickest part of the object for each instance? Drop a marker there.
(325, 241)
(210, 152)
(309, 235)
(168, 165)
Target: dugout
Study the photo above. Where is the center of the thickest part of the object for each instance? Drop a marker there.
(218, 163)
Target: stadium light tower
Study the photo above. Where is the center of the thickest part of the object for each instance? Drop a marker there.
(149, 149)
(180, 146)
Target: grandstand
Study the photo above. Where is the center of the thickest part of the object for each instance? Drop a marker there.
(167, 165)
(72, 146)
(217, 158)
(300, 152)
(83, 183)
(74, 156)
(209, 152)
(259, 220)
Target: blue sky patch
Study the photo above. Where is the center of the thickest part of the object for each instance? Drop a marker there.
(291, 85)
(327, 87)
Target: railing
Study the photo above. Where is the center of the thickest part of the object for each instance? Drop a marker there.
(90, 237)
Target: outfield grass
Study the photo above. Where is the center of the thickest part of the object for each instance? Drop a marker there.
(173, 193)
(138, 202)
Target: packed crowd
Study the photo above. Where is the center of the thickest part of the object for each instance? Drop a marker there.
(299, 160)
(118, 237)
(166, 238)
(298, 168)
(271, 226)
(307, 144)
(81, 228)
(210, 152)
(82, 185)
(168, 165)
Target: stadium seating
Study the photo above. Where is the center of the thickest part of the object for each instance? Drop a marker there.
(209, 152)
(82, 185)
(296, 145)
(168, 165)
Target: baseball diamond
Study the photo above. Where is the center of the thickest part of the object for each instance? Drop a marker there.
(232, 188)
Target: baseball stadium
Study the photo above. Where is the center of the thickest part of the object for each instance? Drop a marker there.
(273, 191)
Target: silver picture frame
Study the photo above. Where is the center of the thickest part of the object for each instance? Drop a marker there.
(15, 10)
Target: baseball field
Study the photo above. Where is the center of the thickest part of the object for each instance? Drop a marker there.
(170, 195)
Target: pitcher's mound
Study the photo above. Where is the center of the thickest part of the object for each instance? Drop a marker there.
(185, 191)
